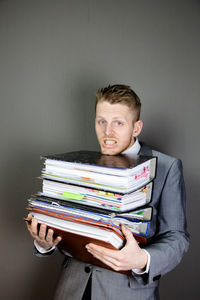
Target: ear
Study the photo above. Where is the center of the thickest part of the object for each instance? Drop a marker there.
(137, 128)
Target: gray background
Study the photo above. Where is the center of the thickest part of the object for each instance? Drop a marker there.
(54, 55)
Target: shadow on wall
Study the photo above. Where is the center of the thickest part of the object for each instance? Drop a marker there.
(163, 132)
(84, 95)
(27, 274)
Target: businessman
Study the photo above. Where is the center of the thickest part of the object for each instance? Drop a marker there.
(118, 126)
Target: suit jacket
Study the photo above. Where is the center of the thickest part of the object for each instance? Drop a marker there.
(167, 243)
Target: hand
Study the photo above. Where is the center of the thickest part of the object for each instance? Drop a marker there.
(43, 237)
(131, 256)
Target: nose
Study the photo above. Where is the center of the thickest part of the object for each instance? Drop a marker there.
(108, 129)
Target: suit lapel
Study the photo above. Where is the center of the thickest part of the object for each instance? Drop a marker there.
(145, 150)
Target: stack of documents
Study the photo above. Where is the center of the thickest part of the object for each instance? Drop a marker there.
(117, 173)
(98, 198)
(86, 197)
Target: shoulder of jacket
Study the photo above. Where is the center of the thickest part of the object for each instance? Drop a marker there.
(160, 155)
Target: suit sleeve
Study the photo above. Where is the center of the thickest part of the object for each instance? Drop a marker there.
(171, 240)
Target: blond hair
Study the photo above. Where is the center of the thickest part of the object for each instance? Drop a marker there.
(120, 94)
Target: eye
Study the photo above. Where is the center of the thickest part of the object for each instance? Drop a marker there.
(101, 122)
(118, 123)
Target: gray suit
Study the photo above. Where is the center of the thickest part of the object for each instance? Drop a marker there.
(167, 244)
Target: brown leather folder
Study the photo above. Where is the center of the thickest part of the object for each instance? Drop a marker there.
(74, 244)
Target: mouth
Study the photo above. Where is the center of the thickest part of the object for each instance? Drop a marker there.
(109, 143)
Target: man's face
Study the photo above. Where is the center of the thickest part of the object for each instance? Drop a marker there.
(114, 127)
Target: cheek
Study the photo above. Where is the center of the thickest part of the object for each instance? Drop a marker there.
(125, 141)
(126, 135)
(98, 132)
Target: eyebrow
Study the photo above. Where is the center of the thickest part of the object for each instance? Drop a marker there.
(114, 118)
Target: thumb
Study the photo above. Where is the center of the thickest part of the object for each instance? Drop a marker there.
(127, 233)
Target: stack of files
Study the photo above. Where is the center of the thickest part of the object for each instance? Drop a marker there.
(117, 173)
(86, 197)
(137, 221)
(79, 226)
(97, 198)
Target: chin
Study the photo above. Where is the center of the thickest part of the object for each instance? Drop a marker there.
(109, 151)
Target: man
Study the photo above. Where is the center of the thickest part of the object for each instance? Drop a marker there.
(117, 126)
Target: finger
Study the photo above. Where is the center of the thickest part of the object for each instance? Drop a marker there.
(101, 250)
(29, 217)
(112, 263)
(50, 239)
(113, 257)
(57, 240)
(43, 231)
(128, 234)
(34, 227)
(102, 257)
(28, 220)
(49, 236)
(99, 256)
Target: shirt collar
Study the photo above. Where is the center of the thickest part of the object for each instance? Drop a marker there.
(134, 149)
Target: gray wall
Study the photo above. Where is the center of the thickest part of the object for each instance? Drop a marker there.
(53, 57)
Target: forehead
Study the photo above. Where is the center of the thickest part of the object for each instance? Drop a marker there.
(106, 109)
